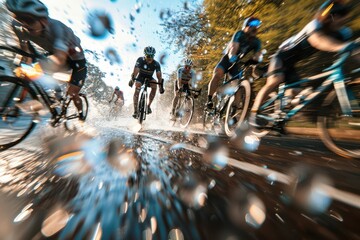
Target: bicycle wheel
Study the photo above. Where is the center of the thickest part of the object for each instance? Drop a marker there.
(72, 122)
(17, 111)
(142, 108)
(233, 119)
(340, 133)
(185, 111)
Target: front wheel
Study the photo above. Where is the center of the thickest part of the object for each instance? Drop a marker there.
(237, 108)
(341, 133)
(18, 116)
(185, 111)
(142, 108)
(72, 117)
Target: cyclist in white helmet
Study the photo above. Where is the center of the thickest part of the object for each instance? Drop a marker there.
(185, 77)
(32, 24)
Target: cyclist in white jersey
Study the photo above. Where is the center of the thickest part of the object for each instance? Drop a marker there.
(32, 24)
(185, 77)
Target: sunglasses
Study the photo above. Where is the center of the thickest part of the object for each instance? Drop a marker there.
(187, 66)
(254, 23)
(149, 56)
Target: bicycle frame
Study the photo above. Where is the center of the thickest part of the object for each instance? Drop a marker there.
(335, 77)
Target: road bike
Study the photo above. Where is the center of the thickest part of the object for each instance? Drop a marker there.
(23, 98)
(337, 100)
(142, 103)
(184, 109)
(231, 102)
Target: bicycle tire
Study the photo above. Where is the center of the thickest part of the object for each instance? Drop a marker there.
(188, 101)
(231, 123)
(12, 135)
(337, 131)
(71, 116)
(142, 108)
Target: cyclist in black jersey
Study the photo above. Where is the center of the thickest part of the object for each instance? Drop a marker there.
(324, 33)
(243, 42)
(145, 68)
(32, 23)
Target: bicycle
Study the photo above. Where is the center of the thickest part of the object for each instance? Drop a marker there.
(339, 112)
(184, 109)
(21, 100)
(142, 103)
(224, 117)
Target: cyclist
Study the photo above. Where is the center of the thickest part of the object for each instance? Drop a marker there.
(243, 42)
(119, 97)
(324, 33)
(185, 77)
(145, 68)
(32, 23)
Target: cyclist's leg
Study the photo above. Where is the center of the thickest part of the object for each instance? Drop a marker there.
(138, 84)
(275, 77)
(152, 93)
(77, 80)
(176, 97)
(218, 74)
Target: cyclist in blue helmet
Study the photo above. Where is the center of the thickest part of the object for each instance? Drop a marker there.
(242, 42)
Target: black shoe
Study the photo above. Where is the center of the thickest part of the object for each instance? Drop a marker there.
(135, 115)
(257, 122)
(210, 105)
(149, 110)
(81, 116)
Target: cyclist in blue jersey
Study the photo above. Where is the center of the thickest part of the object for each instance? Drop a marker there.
(145, 68)
(243, 42)
(185, 78)
(324, 33)
(32, 24)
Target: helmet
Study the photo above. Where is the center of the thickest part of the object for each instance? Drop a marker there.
(252, 22)
(149, 51)
(33, 8)
(188, 62)
(117, 88)
(332, 7)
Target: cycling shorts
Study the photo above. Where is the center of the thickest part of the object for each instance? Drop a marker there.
(79, 72)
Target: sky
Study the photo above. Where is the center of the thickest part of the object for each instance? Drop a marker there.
(130, 36)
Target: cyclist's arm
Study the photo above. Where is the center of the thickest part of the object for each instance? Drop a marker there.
(193, 78)
(178, 82)
(54, 62)
(323, 42)
(112, 96)
(135, 72)
(122, 96)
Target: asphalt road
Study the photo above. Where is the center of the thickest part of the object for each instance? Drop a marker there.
(158, 184)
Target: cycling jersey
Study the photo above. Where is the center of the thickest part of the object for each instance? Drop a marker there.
(146, 69)
(246, 45)
(186, 76)
(56, 36)
(298, 47)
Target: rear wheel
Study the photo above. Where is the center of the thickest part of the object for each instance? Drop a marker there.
(340, 133)
(72, 121)
(18, 111)
(236, 111)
